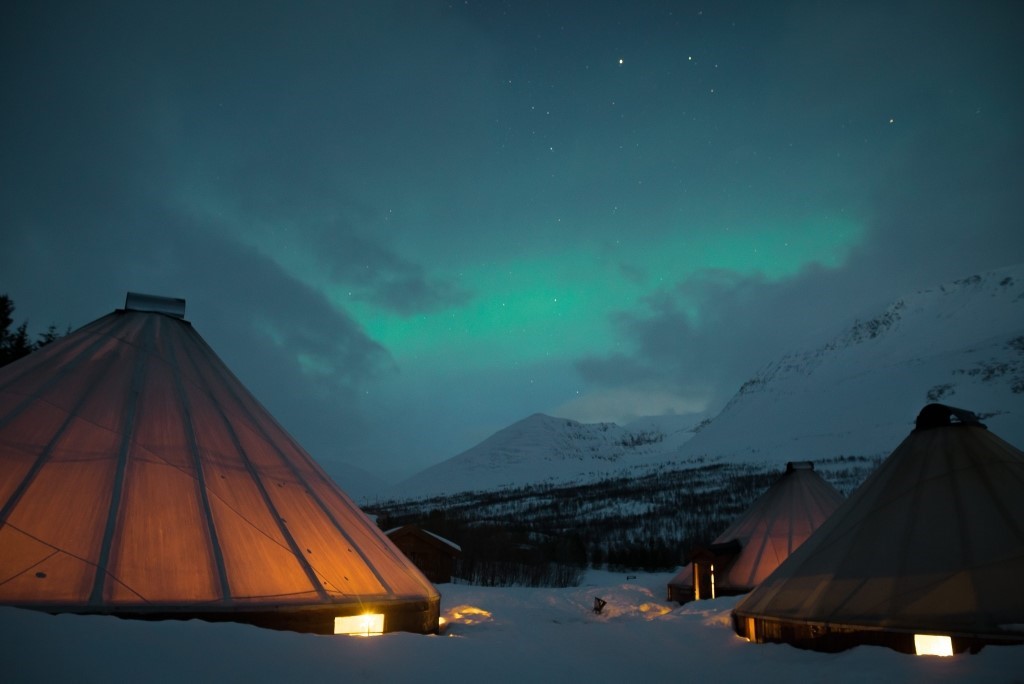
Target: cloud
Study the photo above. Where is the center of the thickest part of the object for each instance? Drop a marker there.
(700, 338)
(624, 404)
(380, 276)
(305, 359)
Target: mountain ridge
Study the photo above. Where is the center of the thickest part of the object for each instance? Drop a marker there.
(854, 394)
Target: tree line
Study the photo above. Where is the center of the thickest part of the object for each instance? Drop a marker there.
(16, 343)
(548, 534)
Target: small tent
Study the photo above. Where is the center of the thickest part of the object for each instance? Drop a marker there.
(929, 549)
(140, 478)
(753, 546)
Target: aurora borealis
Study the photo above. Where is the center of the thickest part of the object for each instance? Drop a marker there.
(407, 224)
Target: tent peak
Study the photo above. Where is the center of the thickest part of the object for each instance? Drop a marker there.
(170, 306)
(940, 415)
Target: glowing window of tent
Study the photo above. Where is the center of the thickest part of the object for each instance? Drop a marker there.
(933, 644)
(712, 580)
(368, 624)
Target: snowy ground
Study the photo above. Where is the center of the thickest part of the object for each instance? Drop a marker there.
(494, 635)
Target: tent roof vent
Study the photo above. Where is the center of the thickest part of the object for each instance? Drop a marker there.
(940, 415)
(171, 306)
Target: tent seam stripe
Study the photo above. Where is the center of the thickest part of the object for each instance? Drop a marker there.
(218, 553)
(44, 456)
(310, 573)
(138, 377)
(309, 489)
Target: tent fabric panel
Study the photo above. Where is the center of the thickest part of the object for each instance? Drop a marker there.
(249, 532)
(65, 505)
(758, 553)
(285, 473)
(9, 401)
(160, 523)
(778, 522)
(399, 573)
(106, 405)
(217, 448)
(387, 567)
(71, 523)
(161, 519)
(990, 583)
(22, 444)
(34, 425)
(283, 465)
(257, 557)
(341, 567)
(234, 487)
(228, 474)
(940, 597)
(260, 565)
(32, 572)
(18, 462)
(366, 547)
(265, 456)
(162, 428)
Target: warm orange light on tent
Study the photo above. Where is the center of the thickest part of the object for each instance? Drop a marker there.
(933, 644)
(139, 477)
(368, 624)
(712, 581)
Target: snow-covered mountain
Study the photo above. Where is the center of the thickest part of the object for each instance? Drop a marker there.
(856, 394)
(542, 448)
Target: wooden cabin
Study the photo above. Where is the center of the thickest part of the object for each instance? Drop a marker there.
(434, 555)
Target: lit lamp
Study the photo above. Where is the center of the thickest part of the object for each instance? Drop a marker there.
(367, 624)
(933, 644)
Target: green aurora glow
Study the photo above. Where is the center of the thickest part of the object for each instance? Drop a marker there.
(524, 309)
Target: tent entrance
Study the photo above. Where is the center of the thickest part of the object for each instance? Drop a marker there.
(705, 560)
(703, 581)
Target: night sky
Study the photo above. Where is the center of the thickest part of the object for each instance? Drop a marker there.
(406, 225)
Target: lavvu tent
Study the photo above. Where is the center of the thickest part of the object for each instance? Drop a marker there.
(928, 551)
(140, 478)
(759, 540)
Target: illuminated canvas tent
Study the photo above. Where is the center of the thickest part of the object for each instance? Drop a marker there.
(139, 477)
(759, 540)
(932, 543)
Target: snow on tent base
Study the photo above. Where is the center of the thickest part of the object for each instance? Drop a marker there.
(932, 543)
(140, 478)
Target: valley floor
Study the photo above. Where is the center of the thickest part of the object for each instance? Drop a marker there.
(491, 635)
